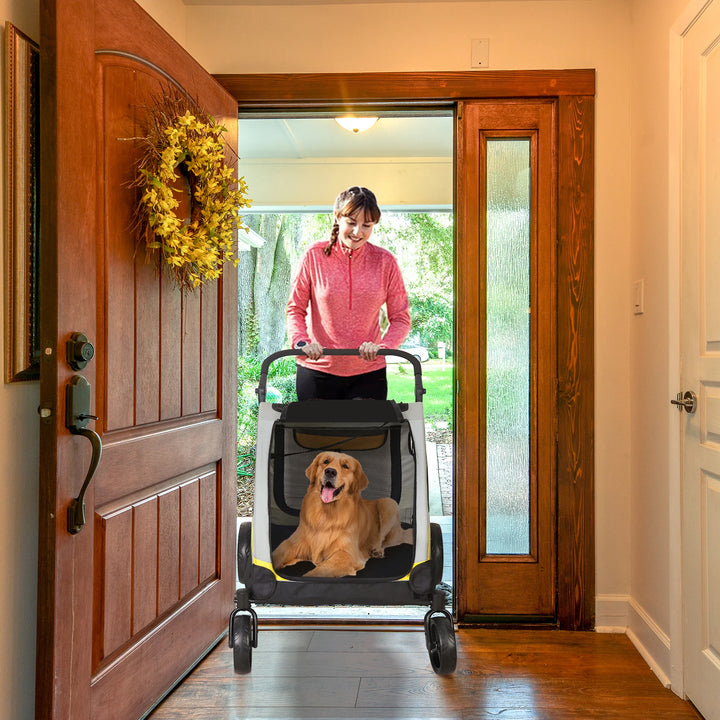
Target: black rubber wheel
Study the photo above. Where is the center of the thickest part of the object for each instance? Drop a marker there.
(242, 644)
(244, 552)
(441, 644)
(437, 556)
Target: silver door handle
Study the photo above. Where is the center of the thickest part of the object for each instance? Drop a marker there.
(687, 400)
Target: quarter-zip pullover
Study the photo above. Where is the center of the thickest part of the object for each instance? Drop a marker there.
(335, 300)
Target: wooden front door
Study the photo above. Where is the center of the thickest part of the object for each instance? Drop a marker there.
(129, 603)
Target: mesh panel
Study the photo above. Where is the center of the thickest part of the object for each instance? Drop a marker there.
(386, 455)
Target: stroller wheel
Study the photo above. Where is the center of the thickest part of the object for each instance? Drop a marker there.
(242, 643)
(440, 640)
(436, 553)
(244, 552)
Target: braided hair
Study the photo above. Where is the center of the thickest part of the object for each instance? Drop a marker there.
(347, 203)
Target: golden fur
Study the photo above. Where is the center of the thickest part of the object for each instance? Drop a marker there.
(339, 533)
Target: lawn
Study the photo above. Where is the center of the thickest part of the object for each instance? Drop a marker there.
(438, 384)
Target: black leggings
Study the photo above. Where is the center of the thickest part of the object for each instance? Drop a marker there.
(313, 384)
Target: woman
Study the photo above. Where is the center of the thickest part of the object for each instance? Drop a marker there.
(335, 302)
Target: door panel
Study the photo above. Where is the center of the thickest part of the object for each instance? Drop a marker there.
(500, 579)
(132, 601)
(700, 338)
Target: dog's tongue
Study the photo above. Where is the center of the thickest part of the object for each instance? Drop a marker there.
(328, 493)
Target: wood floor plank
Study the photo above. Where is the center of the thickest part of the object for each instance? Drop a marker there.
(465, 691)
(368, 674)
(279, 692)
(331, 713)
(329, 664)
(387, 641)
(261, 713)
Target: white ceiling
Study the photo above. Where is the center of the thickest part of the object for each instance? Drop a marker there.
(296, 162)
(308, 138)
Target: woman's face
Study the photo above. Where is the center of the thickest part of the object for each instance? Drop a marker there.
(355, 229)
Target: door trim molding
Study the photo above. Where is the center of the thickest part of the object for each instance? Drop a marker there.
(300, 90)
(573, 91)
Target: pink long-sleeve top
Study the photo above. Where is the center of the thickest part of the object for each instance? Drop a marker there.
(335, 300)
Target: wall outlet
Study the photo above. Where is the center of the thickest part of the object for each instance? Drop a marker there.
(480, 53)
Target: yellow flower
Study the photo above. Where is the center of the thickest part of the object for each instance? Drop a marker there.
(197, 251)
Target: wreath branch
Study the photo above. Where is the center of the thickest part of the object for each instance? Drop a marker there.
(182, 141)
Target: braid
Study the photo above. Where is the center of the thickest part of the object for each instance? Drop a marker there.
(333, 238)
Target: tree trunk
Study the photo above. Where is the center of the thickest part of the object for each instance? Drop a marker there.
(264, 276)
(247, 324)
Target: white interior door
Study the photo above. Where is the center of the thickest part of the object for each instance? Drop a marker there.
(700, 338)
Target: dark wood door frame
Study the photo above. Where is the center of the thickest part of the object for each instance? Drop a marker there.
(574, 94)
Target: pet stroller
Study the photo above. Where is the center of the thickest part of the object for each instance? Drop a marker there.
(388, 439)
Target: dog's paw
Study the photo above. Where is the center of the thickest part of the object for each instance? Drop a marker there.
(377, 552)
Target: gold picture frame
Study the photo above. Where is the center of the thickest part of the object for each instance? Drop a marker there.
(22, 349)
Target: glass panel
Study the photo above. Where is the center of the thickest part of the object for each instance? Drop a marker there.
(508, 346)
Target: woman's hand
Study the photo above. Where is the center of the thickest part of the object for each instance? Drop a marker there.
(313, 350)
(368, 350)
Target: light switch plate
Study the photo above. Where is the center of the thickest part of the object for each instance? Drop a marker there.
(480, 53)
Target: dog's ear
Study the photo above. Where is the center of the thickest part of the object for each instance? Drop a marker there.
(311, 472)
(361, 479)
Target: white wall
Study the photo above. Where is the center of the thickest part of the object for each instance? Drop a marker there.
(170, 14)
(18, 478)
(655, 541)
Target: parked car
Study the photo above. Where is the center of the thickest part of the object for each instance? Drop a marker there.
(420, 352)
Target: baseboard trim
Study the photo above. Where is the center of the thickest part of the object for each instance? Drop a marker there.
(622, 614)
(651, 642)
(611, 613)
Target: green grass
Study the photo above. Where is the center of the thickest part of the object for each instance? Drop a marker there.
(438, 383)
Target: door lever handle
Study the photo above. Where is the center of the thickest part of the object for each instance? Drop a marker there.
(77, 416)
(687, 400)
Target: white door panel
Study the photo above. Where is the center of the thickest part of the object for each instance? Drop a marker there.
(700, 338)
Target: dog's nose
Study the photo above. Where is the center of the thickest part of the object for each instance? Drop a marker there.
(330, 473)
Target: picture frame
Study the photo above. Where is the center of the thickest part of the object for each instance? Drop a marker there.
(22, 227)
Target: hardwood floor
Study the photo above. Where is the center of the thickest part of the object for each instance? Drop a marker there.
(385, 673)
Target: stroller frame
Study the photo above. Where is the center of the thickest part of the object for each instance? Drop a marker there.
(389, 434)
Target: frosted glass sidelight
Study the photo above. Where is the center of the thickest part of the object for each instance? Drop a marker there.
(508, 347)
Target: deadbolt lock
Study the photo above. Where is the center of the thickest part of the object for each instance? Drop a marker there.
(79, 351)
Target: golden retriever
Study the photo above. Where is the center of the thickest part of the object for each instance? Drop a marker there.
(339, 530)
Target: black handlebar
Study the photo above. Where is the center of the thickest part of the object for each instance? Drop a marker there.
(270, 359)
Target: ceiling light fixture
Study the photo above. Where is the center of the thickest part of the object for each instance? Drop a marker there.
(355, 124)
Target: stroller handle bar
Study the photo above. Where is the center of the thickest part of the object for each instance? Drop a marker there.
(270, 359)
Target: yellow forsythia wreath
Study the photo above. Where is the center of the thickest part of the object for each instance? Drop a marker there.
(188, 144)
